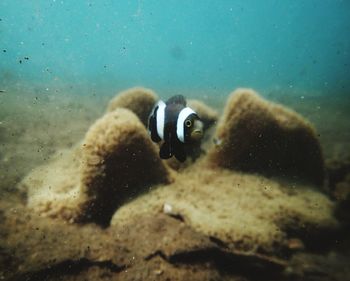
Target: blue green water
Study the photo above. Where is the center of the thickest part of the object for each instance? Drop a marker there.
(174, 45)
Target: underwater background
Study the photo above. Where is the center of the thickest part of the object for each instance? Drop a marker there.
(171, 46)
(64, 69)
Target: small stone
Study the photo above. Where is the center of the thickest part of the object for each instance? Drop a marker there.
(158, 272)
(295, 244)
(167, 209)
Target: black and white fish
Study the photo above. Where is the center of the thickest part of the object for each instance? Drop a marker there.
(176, 125)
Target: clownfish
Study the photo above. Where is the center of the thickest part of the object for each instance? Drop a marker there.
(176, 125)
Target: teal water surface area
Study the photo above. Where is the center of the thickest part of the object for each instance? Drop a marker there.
(201, 46)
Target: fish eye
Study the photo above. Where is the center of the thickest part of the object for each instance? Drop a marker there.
(188, 123)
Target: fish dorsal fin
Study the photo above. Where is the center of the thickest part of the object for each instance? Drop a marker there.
(178, 99)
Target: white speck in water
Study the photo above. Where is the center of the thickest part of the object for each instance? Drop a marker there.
(217, 142)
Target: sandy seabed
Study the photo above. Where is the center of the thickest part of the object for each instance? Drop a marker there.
(34, 128)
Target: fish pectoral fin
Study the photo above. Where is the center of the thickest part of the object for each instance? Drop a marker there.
(165, 151)
(180, 153)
